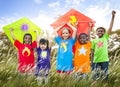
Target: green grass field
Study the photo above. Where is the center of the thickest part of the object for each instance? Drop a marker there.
(10, 77)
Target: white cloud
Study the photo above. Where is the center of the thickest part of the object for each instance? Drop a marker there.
(54, 4)
(102, 15)
(98, 15)
(44, 21)
(7, 20)
(74, 2)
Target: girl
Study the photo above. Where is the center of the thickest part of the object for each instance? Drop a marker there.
(43, 61)
(81, 59)
(25, 52)
(100, 52)
(65, 42)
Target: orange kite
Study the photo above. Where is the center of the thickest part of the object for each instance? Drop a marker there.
(76, 19)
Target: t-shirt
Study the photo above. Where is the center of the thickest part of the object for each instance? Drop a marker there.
(81, 59)
(100, 47)
(43, 61)
(65, 56)
(25, 56)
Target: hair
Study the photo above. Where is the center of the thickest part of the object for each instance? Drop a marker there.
(44, 41)
(101, 28)
(66, 29)
(26, 35)
(82, 34)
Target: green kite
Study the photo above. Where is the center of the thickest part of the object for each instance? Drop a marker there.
(22, 26)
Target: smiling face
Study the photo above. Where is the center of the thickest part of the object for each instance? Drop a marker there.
(82, 38)
(27, 39)
(100, 32)
(43, 43)
(43, 46)
(65, 33)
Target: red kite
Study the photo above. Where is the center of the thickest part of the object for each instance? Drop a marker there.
(76, 19)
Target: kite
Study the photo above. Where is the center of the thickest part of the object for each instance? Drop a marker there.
(65, 26)
(21, 26)
(75, 18)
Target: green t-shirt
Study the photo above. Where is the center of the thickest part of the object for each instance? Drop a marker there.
(100, 47)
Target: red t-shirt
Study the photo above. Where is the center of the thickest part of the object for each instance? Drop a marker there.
(25, 56)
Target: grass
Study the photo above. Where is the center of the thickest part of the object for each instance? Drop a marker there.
(10, 77)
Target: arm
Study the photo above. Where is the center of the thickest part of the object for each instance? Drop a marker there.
(89, 29)
(11, 32)
(49, 38)
(92, 55)
(38, 37)
(56, 30)
(111, 23)
(74, 31)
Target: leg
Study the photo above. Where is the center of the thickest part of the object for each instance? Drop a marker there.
(104, 68)
(95, 70)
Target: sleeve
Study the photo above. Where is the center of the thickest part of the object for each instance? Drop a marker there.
(37, 49)
(57, 39)
(50, 49)
(34, 44)
(73, 41)
(106, 35)
(90, 44)
(17, 43)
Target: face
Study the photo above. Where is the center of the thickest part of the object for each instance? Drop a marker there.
(65, 34)
(43, 46)
(83, 39)
(27, 39)
(100, 33)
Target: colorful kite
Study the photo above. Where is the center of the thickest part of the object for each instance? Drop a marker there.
(22, 26)
(76, 19)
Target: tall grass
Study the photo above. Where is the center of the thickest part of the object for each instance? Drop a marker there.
(10, 77)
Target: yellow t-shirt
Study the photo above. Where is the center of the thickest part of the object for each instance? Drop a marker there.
(81, 59)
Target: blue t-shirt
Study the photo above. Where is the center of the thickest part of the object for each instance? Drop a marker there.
(65, 56)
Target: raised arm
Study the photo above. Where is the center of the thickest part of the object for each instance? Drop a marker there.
(49, 38)
(89, 29)
(38, 37)
(111, 23)
(11, 32)
(56, 30)
(74, 31)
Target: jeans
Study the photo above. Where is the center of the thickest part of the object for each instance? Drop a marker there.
(100, 70)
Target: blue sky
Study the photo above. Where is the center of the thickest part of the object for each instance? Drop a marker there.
(45, 12)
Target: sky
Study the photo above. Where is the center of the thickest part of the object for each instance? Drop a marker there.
(45, 12)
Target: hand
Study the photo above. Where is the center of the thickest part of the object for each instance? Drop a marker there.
(35, 31)
(42, 32)
(113, 12)
(90, 24)
(11, 29)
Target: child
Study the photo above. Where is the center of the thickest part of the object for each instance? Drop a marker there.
(25, 52)
(81, 59)
(43, 61)
(100, 52)
(65, 42)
